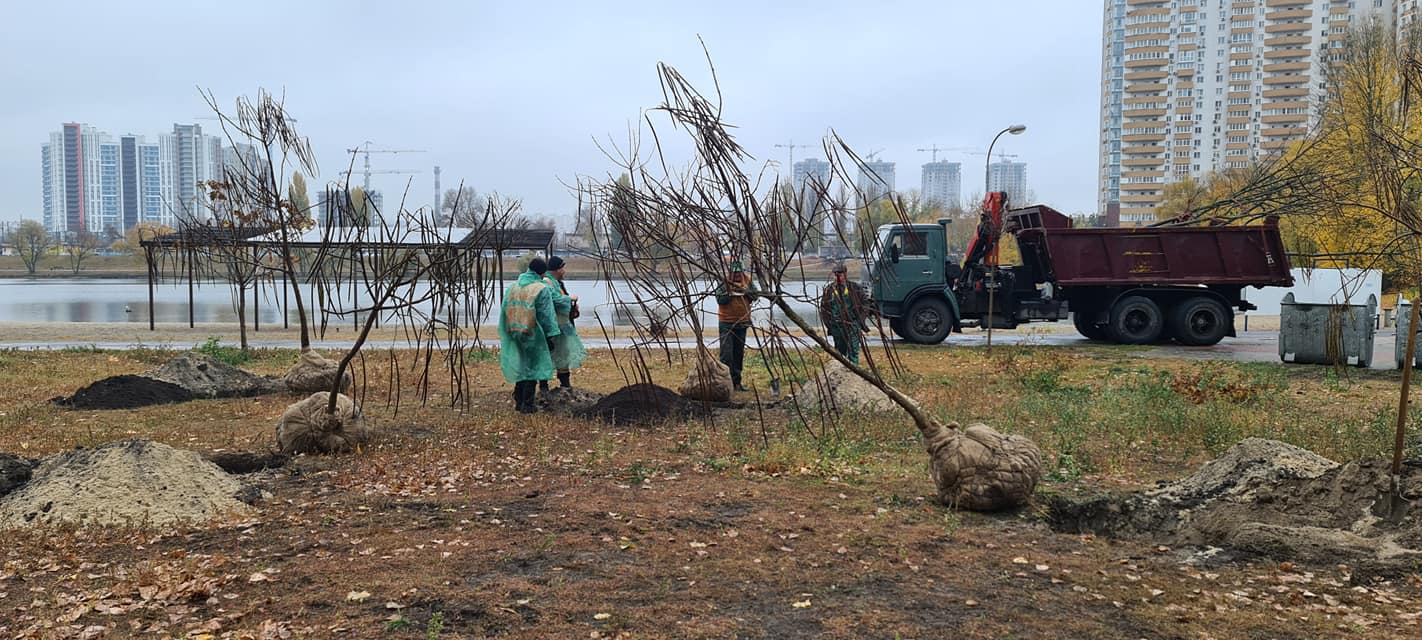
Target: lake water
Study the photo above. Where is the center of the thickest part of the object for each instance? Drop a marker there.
(126, 300)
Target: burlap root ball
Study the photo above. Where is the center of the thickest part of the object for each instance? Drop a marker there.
(305, 427)
(313, 372)
(980, 469)
(708, 381)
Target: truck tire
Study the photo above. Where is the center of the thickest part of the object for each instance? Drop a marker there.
(1199, 322)
(1136, 320)
(897, 326)
(928, 321)
(1087, 327)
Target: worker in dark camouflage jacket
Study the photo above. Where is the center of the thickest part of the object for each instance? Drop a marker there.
(845, 311)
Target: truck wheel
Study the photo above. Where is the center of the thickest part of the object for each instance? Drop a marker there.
(1199, 322)
(928, 321)
(897, 326)
(1136, 320)
(1087, 327)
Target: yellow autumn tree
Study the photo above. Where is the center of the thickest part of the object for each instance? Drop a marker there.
(1365, 157)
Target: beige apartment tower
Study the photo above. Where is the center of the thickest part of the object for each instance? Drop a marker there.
(1193, 86)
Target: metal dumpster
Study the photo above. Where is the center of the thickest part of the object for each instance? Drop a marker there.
(1327, 333)
(1404, 321)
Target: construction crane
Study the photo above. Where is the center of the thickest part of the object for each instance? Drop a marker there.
(1001, 157)
(365, 149)
(873, 156)
(935, 149)
(790, 144)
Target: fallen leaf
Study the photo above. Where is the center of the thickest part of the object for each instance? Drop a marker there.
(601, 616)
(258, 577)
(358, 596)
(801, 604)
(1019, 560)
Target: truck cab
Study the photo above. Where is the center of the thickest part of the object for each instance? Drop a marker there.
(908, 274)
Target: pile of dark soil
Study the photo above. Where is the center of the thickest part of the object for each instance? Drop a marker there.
(14, 471)
(125, 392)
(1267, 498)
(641, 404)
(207, 377)
(567, 400)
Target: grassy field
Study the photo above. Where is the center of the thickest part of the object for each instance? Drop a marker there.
(483, 522)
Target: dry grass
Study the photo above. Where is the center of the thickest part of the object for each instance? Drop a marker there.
(485, 522)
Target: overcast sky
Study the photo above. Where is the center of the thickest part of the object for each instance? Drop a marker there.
(509, 97)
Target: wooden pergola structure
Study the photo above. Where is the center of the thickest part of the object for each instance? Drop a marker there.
(183, 252)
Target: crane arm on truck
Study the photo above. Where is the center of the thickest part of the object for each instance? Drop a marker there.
(984, 246)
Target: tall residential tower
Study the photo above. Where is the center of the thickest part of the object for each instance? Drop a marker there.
(1194, 86)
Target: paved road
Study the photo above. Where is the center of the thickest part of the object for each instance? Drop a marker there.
(1249, 346)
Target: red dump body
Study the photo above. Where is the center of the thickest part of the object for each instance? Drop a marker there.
(1194, 255)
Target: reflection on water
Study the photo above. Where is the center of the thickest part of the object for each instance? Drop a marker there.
(126, 300)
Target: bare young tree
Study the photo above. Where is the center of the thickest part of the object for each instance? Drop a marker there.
(1351, 186)
(252, 187)
(676, 225)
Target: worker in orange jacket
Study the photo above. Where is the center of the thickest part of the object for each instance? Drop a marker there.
(733, 299)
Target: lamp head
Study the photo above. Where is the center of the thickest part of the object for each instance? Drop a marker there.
(1016, 129)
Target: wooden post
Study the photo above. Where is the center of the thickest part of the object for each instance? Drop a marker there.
(191, 323)
(256, 291)
(152, 273)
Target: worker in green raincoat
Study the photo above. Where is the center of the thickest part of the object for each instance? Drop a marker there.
(527, 326)
(568, 351)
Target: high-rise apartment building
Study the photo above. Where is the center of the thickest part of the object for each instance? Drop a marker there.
(876, 178)
(190, 159)
(942, 183)
(70, 164)
(95, 182)
(1010, 177)
(1194, 86)
(812, 175)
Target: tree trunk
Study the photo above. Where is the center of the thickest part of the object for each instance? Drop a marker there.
(242, 315)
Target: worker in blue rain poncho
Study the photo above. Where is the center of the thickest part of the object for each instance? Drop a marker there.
(568, 351)
(527, 327)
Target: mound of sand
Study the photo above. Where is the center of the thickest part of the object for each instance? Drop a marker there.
(641, 404)
(131, 482)
(835, 388)
(207, 377)
(125, 392)
(1272, 499)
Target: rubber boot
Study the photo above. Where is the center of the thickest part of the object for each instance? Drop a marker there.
(543, 386)
(528, 391)
(565, 379)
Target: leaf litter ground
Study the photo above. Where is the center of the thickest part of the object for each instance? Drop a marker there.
(491, 524)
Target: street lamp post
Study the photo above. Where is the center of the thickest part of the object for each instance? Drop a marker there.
(1015, 129)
